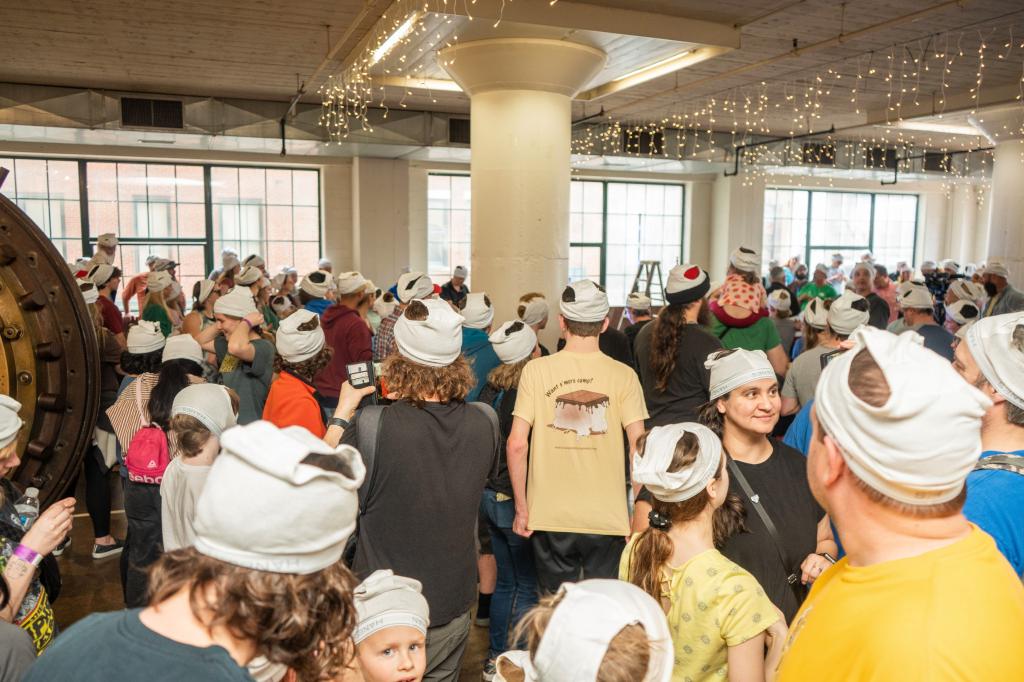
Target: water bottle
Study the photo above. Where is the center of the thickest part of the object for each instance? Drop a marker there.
(27, 507)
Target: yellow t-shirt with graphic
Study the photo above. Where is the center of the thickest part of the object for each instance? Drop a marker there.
(714, 604)
(578, 405)
(952, 614)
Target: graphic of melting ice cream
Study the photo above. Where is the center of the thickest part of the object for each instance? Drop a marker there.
(583, 412)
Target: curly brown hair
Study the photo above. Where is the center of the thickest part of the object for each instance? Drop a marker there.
(188, 435)
(625, 660)
(415, 383)
(302, 621)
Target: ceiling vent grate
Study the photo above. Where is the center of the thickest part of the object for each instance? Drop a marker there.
(880, 157)
(819, 154)
(938, 162)
(643, 142)
(458, 131)
(137, 112)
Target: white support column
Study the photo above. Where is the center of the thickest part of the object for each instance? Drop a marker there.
(521, 90)
(1005, 127)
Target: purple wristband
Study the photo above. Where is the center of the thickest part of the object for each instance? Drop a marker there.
(28, 555)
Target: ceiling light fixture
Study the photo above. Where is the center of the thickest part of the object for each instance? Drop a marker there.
(384, 48)
(652, 71)
(929, 127)
(414, 83)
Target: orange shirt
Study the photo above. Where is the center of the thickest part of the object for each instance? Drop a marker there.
(291, 402)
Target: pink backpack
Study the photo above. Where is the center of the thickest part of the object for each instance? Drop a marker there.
(148, 454)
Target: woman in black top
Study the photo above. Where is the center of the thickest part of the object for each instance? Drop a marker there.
(671, 350)
(515, 344)
(787, 561)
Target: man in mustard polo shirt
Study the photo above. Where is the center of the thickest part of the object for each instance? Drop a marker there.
(922, 594)
(572, 497)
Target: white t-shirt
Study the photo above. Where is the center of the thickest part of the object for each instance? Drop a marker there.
(179, 492)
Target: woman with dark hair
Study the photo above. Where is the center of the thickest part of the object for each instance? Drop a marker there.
(788, 552)
(671, 350)
(140, 362)
(182, 367)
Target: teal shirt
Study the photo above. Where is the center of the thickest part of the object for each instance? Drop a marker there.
(477, 349)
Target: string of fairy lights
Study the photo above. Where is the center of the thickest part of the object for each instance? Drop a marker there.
(892, 85)
(907, 75)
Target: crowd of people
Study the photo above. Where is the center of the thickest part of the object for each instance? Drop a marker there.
(777, 477)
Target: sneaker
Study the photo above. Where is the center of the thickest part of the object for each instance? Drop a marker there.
(62, 546)
(489, 670)
(103, 551)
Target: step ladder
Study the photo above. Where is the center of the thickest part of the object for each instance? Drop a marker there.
(647, 280)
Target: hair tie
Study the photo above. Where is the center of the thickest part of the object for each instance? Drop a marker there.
(659, 521)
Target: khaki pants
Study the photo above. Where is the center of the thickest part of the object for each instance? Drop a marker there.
(446, 645)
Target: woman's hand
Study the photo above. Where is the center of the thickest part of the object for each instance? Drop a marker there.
(255, 320)
(812, 567)
(52, 526)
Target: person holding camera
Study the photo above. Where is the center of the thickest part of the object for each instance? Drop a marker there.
(428, 456)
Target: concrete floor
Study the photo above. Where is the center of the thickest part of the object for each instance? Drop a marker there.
(91, 586)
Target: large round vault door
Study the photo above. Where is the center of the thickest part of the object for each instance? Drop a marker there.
(50, 360)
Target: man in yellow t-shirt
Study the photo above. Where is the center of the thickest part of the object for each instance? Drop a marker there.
(572, 497)
(922, 594)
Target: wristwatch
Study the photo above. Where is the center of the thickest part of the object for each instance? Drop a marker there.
(338, 421)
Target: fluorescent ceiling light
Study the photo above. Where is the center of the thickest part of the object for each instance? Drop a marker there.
(652, 71)
(420, 83)
(947, 128)
(392, 40)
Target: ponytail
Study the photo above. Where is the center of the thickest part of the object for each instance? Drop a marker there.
(174, 376)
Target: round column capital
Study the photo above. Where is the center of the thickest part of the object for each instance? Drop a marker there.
(556, 66)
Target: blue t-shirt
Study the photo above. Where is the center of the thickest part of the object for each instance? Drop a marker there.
(995, 502)
(798, 435)
(798, 348)
(318, 305)
(481, 357)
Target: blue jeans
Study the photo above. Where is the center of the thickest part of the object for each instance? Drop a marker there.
(516, 590)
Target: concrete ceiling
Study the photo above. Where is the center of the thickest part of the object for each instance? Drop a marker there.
(262, 49)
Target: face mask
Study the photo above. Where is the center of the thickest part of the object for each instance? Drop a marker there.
(990, 289)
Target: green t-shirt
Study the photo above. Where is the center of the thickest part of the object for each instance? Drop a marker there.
(762, 335)
(826, 292)
(155, 313)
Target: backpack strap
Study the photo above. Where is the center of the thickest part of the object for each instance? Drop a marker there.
(1003, 462)
(367, 438)
(492, 417)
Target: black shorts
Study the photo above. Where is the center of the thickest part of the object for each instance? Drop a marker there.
(571, 557)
